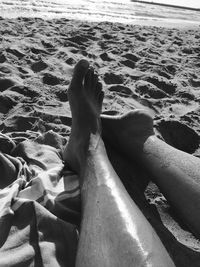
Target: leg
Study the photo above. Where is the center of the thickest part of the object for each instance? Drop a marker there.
(176, 173)
(113, 230)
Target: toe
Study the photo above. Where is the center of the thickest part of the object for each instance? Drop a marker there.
(100, 98)
(80, 70)
(89, 78)
(95, 79)
(98, 88)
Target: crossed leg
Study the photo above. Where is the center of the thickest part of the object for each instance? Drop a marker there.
(176, 173)
(114, 232)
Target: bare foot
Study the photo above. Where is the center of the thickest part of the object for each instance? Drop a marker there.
(85, 98)
(128, 133)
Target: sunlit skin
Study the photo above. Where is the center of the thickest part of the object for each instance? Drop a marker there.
(176, 173)
(113, 230)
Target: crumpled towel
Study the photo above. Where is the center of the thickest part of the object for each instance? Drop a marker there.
(39, 205)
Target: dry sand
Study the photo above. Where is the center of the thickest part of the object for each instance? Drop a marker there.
(154, 68)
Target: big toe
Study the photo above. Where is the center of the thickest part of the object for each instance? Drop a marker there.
(80, 70)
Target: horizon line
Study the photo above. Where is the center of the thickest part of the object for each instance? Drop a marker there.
(167, 5)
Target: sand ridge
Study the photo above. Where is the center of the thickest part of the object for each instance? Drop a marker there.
(153, 68)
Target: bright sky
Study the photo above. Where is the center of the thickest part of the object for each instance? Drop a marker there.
(187, 3)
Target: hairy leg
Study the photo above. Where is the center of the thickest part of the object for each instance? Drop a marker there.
(176, 173)
(114, 232)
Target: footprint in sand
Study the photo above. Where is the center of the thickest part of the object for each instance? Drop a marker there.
(140, 38)
(106, 57)
(121, 90)
(39, 66)
(50, 79)
(162, 83)
(131, 57)
(25, 72)
(2, 57)
(6, 103)
(38, 50)
(161, 71)
(90, 35)
(5, 83)
(70, 61)
(128, 63)
(112, 78)
(47, 44)
(185, 94)
(179, 135)
(25, 91)
(171, 69)
(6, 69)
(187, 50)
(195, 82)
(107, 36)
(78, 39)
(146, 88)
(16, 52)
(62, 95)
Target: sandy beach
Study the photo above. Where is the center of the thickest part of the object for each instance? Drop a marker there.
(153, 68)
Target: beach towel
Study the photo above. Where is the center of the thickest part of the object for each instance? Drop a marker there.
(40, 208)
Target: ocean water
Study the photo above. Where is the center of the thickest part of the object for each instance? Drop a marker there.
(123, 11)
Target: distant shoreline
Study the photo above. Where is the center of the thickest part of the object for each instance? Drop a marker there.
(139, 12)
(166, 5)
